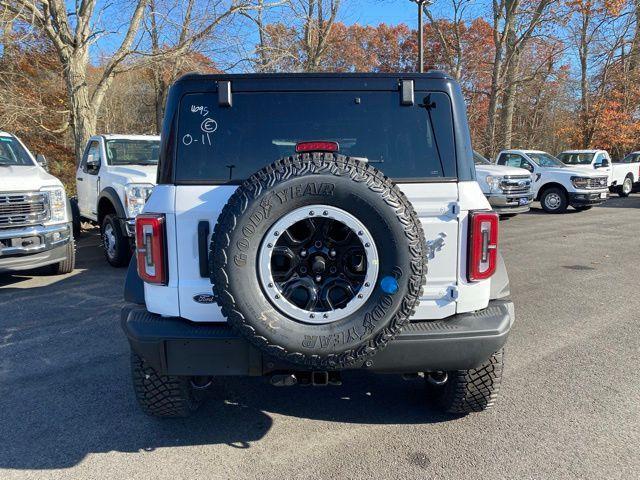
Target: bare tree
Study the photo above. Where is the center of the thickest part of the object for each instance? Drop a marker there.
(175, 37)
(515, 22)
(451, 40)
(72, 33)
(318, 16)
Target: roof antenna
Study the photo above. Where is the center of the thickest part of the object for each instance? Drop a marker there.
(427, 103)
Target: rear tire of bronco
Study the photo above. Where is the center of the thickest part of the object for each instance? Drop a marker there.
(468, 391)
(115, 244)
(162, 395)
(318, 260)
(554, 200)
(67, 265)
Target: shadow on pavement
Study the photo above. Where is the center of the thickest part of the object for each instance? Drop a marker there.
(632, 201)
(65, 387)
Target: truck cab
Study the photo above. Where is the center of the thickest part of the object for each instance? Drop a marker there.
(556, 185)
(35, 216)
(508, 189)
(598, 160)
(114, 179)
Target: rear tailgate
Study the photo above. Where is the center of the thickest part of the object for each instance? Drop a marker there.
(435, 203)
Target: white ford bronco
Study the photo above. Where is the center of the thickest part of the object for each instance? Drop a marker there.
(114, 179)
(304, 225)
(557, 185)
(35, 216)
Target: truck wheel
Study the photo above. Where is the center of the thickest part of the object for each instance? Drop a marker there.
(116, 246)
(554, 200)
(467, 391)
(162, 395)
(318, 260)
(66, 266)
(75, 217)
(626, 187)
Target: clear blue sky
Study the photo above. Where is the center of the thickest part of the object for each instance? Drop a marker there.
(373, 12)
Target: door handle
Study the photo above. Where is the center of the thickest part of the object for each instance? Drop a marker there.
(80, 179)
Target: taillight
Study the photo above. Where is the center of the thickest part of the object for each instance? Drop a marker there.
(151, 252)
(483, 245)
(302, 147)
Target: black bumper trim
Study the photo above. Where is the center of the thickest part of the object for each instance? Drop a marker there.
(584, 199)
(175, 346)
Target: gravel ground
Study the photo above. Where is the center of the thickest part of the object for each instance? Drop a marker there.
(570, 404)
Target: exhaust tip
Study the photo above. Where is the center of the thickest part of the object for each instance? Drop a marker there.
(284, 380)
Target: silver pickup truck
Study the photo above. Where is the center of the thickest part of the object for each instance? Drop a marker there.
(35, 216)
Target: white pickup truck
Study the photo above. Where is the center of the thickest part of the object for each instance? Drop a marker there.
(555, 184)
(508, 189)
(622, 175)
(35, 216)
(114, 179)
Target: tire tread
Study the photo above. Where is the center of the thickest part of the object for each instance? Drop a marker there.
(295, 166)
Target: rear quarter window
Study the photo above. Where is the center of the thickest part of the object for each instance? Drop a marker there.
(227, 144)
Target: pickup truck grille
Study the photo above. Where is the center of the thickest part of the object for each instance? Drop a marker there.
(24, 208)
(597, 182)
(516, 184)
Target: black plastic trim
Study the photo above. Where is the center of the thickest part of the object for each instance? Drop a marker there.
(176, 346)
(203, 248)
(110, 194)
(593, 200)
(133, 284)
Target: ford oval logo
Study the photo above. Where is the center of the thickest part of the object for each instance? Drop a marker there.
(204, 298)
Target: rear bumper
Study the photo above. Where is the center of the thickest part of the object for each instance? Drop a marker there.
(174, 346)
(32, 247)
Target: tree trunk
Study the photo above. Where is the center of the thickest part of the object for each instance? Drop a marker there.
(83, 114)
(160, 95)
(509, 102)
(584, 80)
(493, 104)
(634, 55)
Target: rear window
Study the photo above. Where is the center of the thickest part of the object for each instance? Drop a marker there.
(226, 145)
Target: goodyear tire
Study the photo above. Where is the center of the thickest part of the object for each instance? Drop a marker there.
(466, 391)
(318, 260)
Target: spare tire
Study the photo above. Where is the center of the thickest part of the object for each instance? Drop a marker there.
(318, 260)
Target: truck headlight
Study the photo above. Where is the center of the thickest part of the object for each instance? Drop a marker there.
(135, 196)
(580, 182)
(494, 183)
(57, 204)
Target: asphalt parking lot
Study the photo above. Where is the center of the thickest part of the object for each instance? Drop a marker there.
(570, 404)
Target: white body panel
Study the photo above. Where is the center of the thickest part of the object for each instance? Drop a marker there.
(89, 185)
(442, 208)
(164, 300)
(620, 171)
